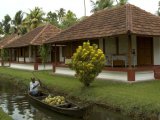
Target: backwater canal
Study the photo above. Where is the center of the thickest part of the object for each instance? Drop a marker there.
(14, 102)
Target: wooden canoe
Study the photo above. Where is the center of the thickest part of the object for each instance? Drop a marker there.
(68, 108)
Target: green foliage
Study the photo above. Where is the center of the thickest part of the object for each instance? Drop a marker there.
(4, 116)
(34, 18)
(87, 62)
(6, 24)
(61, 13)
(17, 23)
(4, 54)
(52, 18)
(102, 4)
(68, 20)
(44, 50)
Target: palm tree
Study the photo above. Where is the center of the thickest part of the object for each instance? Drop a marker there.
(1, 28)
(6, 24)
(34, 18)
(61, 13)
(68, 20)
(121, 2)
(101, 4)
(17, 21)
(52, 18)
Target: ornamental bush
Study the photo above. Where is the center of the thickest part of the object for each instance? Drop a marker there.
(4, 54)
(87, 62)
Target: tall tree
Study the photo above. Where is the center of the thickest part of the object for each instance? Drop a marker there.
(61, 13)
(6, 24)
(17, 22)
(101, 4)
(52, 18)
(121, 2)
(1, 28)
(34, 18)
(68, 20)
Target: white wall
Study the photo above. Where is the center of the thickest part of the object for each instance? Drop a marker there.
(47, 67)
(22, 66)
(110, 47)
(156, 50)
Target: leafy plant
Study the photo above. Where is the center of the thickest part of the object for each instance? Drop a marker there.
(4, 54)
(44, 50)
(87, 62)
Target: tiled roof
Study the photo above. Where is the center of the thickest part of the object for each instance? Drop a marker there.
(7, 40)
(36, 37)
(109, 22)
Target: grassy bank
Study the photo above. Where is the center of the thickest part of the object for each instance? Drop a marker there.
(135, 99)
(4, 116)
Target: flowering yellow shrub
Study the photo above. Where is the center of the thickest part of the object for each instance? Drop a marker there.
(87, 62)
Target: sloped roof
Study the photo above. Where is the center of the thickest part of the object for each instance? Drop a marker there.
(7, 40)
(36, 37)
(109, 22)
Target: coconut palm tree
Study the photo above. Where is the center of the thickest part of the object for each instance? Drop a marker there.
(17, 21)
(101, 4)
(52, 18)
(68, 20)
(34, 18)
(121, 2)
(1, 28)
(61, 13)
(6, 24)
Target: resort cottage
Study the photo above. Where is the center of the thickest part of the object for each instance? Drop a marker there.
(25, 49)
(4, 42)
(128, 36)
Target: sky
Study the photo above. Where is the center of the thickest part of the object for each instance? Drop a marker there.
(77, 6)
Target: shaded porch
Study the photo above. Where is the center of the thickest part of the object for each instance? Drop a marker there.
(28, 58)
(134, 57)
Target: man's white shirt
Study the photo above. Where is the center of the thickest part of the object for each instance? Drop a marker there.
(32, 85)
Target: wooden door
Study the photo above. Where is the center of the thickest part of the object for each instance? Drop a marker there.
(144, 51)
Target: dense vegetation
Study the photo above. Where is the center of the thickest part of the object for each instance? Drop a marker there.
(4, 116)
(24, 22)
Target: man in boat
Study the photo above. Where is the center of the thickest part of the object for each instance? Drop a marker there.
(34, 86)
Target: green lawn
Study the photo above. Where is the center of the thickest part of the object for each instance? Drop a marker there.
(4, 116)
(136, 98)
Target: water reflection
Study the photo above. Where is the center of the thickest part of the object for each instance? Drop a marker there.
(15, 103)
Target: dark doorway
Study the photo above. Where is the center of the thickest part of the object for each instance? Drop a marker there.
(144, 51)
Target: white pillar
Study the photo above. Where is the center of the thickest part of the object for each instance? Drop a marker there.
(60, 54)
(30, 53)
